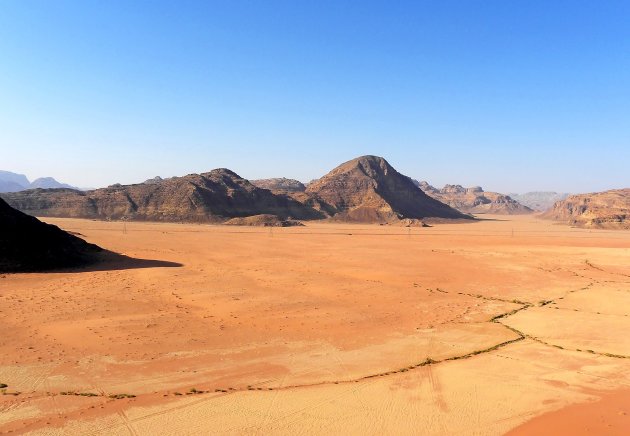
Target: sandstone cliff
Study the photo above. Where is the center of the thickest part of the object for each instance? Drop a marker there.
(475, 200)
(608, 210)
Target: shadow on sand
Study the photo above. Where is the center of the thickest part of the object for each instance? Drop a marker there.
(110, 261)
(482, 218)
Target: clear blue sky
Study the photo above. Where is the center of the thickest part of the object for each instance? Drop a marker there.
(510, 95)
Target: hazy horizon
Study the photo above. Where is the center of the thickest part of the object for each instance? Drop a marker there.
(514, 97)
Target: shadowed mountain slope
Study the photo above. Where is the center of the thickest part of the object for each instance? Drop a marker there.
(27, 244)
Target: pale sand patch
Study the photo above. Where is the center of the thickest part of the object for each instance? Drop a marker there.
(608, 415)
(587, 331)
(488, 394)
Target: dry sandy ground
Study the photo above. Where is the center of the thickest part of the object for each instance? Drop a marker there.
(507, 325)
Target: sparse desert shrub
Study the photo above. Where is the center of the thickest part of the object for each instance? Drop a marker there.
(121, 396)
(79, 394)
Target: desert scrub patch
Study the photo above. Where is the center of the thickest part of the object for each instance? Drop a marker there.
(79, 394)
(121, 396)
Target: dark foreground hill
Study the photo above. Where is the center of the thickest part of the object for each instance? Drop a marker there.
(369, 189)
(209, 197)
(27, 244)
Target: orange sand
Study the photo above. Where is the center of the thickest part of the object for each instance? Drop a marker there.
(319, 329)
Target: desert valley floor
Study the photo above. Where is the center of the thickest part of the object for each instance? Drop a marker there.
(511, 324)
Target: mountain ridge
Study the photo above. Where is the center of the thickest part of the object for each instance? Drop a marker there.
(539, 200)
(208, 197)
(475, 200)
(14, 182)
(364, 189)
(606, 209)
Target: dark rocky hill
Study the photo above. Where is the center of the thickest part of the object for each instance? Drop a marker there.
(369, 189)
(27, 244)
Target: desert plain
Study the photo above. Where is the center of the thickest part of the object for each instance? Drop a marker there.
(508, 325)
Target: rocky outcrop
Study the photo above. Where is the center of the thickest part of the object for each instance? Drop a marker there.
(475, 200)
(369, 189)
(209, 197)
(154, 180)
(27, 244)
(264, 220)
(606, 210)
(280, 185)
(539, 201)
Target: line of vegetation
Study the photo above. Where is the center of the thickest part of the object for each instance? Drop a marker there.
(80, 394)
(121, 396)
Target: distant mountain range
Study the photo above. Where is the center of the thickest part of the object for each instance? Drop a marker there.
(13, 182)
(365, 189)
(539, 201)
(475, 200)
